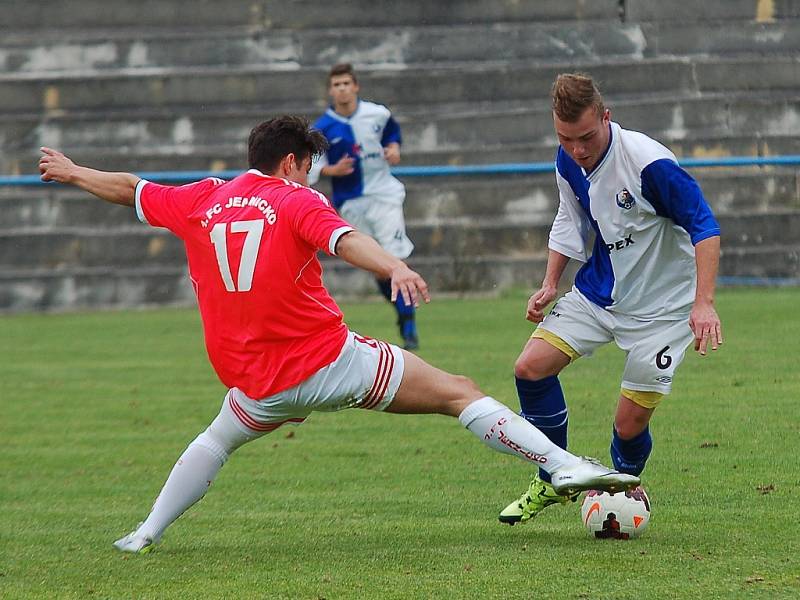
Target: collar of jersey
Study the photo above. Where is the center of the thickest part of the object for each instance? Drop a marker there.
(611, 140)
(332, 113)
(259, 173)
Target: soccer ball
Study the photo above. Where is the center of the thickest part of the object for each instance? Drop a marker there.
(620, 516)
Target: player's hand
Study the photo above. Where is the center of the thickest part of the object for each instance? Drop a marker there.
(54, 166)
(392, 154)
(706, 327)
(539, 301)
(410, 285)
(345, 166)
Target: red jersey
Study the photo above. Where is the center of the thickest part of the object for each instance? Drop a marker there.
(252, 248)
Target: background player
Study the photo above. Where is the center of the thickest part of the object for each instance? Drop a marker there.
(364, 142)
(273, 333)
(648, 284)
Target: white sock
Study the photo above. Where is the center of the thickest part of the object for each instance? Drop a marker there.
(503, 430)
(192, 475)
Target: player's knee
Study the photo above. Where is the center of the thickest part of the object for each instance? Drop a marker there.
(463, 392)
(531, 369)
(629, 427)
(466, 387)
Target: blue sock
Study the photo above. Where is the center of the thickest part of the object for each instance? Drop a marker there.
(385, 286)
(542, 404)
(630, 456)
(405, 312)
(405, 316)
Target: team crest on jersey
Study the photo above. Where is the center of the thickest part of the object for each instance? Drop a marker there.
(625, 199)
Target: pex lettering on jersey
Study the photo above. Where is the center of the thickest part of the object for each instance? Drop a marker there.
(242, 202)
(620, 244)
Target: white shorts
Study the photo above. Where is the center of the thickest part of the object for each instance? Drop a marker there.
(366, 374)
(654, 349)
(380, 219)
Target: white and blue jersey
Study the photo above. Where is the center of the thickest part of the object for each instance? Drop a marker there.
(362, 136)
(646, 214)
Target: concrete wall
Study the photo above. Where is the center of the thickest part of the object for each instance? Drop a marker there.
(177, 85)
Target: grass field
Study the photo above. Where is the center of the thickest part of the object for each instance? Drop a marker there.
(95, 408)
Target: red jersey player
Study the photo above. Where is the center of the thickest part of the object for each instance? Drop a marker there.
(273, 333)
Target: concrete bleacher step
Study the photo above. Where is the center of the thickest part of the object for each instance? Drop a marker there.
(122, 287)
(386, 47)
(101, 14)
(119, 287)
(672, 117)
(215, 158)
(129, 247)
(710, 10)
(436, 84)
(525, 198)
(84, 287)
(744, 124)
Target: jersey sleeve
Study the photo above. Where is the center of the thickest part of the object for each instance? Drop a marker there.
(569, 234)
(169, 206)
(391, 133)
(314, 220)
(675, 195)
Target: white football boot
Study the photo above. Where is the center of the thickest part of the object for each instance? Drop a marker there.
(590, 474)
(136, 544)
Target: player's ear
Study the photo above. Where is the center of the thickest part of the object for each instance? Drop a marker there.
(288, 164)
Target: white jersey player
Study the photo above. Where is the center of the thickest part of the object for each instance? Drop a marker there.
(650, 248)
(364, 142)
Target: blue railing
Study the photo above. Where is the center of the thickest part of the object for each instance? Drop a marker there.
(444, 170)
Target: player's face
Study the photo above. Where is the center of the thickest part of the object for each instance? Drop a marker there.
(586, 139)
(343, 90)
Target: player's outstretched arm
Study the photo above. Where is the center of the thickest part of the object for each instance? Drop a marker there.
(703, 319)
(365, 253)
(118, 188)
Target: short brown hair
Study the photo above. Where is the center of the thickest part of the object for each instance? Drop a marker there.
(342, 69)
(572, 94)
(272, 140)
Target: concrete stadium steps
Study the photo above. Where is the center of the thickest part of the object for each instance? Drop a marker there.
(534, 197)
(69, 289)
(83, 287)
(126, 248)
(673, 118)
(385, 47)
(504, 81)
(68, 52)
(762, 262)
(525, 198)
(291, 14)
(173, 85)
(141, 246)
(515, 132)
(116, 286)
(218, 158)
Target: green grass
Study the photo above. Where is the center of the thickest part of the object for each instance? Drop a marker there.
(95, 408)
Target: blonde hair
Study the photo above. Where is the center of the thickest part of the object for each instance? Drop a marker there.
(572, 94)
